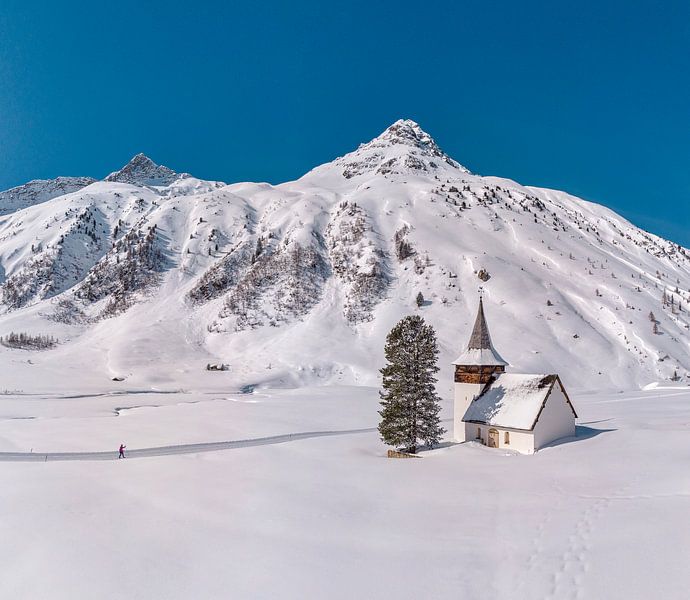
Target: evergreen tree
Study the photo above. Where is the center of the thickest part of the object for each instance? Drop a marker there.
(410, 405)
(419, 300)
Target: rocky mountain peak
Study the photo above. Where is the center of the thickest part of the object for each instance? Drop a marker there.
(409, 133)
(403, 148)
(141, 170)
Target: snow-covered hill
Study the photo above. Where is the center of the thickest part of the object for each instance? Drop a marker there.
(153, 274)
(39, 190)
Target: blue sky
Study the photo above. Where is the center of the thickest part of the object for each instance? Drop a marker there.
(589, 97)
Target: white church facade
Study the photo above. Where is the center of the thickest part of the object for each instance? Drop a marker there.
(521, 412)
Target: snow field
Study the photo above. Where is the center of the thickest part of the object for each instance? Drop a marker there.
(601, 516)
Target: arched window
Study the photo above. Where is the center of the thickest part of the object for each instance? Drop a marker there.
(506, 438)
(479, 433)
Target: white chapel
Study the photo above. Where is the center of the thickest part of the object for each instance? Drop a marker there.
(521, 412)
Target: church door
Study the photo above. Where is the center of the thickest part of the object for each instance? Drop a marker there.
(493, 438)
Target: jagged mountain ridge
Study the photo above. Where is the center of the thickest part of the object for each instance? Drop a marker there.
(303, 280)
(39, 190)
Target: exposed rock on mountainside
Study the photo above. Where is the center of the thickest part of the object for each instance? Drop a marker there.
(132, 265)
(223, 275)
(282, 284)
(53, 266)
(358, 259)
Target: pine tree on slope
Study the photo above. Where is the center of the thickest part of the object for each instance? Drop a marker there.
(410, 405)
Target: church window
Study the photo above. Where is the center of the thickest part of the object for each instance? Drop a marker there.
(506, 438)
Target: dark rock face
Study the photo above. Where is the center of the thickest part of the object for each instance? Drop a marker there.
(141, 170)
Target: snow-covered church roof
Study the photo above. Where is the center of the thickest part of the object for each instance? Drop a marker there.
(513, 400)
(480, 350)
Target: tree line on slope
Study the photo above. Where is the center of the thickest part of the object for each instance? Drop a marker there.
(26, 341)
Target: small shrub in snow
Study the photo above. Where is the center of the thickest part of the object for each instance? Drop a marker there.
(419, 265)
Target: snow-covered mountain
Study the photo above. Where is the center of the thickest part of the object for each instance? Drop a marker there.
(39, 190)
(150, 271)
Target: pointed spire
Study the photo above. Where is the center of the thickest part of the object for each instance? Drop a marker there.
(480, 338)
(480, 350)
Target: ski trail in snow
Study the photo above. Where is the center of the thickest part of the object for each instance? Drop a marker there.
(177, 449)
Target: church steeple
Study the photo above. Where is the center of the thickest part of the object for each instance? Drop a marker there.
(480, 351)
(475, 368)
(480, 338)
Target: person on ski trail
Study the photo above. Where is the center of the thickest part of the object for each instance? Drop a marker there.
(122, 451)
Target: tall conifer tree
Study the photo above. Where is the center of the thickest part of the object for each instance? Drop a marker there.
(410, 405)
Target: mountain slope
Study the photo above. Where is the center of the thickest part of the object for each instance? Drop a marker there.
(39, 190)
(302, 281)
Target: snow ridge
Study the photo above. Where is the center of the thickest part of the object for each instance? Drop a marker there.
(38, 191)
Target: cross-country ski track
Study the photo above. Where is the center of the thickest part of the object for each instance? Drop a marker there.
(176, 449)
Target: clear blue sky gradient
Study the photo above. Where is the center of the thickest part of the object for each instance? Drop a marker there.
(589, 97)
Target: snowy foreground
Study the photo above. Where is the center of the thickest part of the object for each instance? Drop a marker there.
(328, 516)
